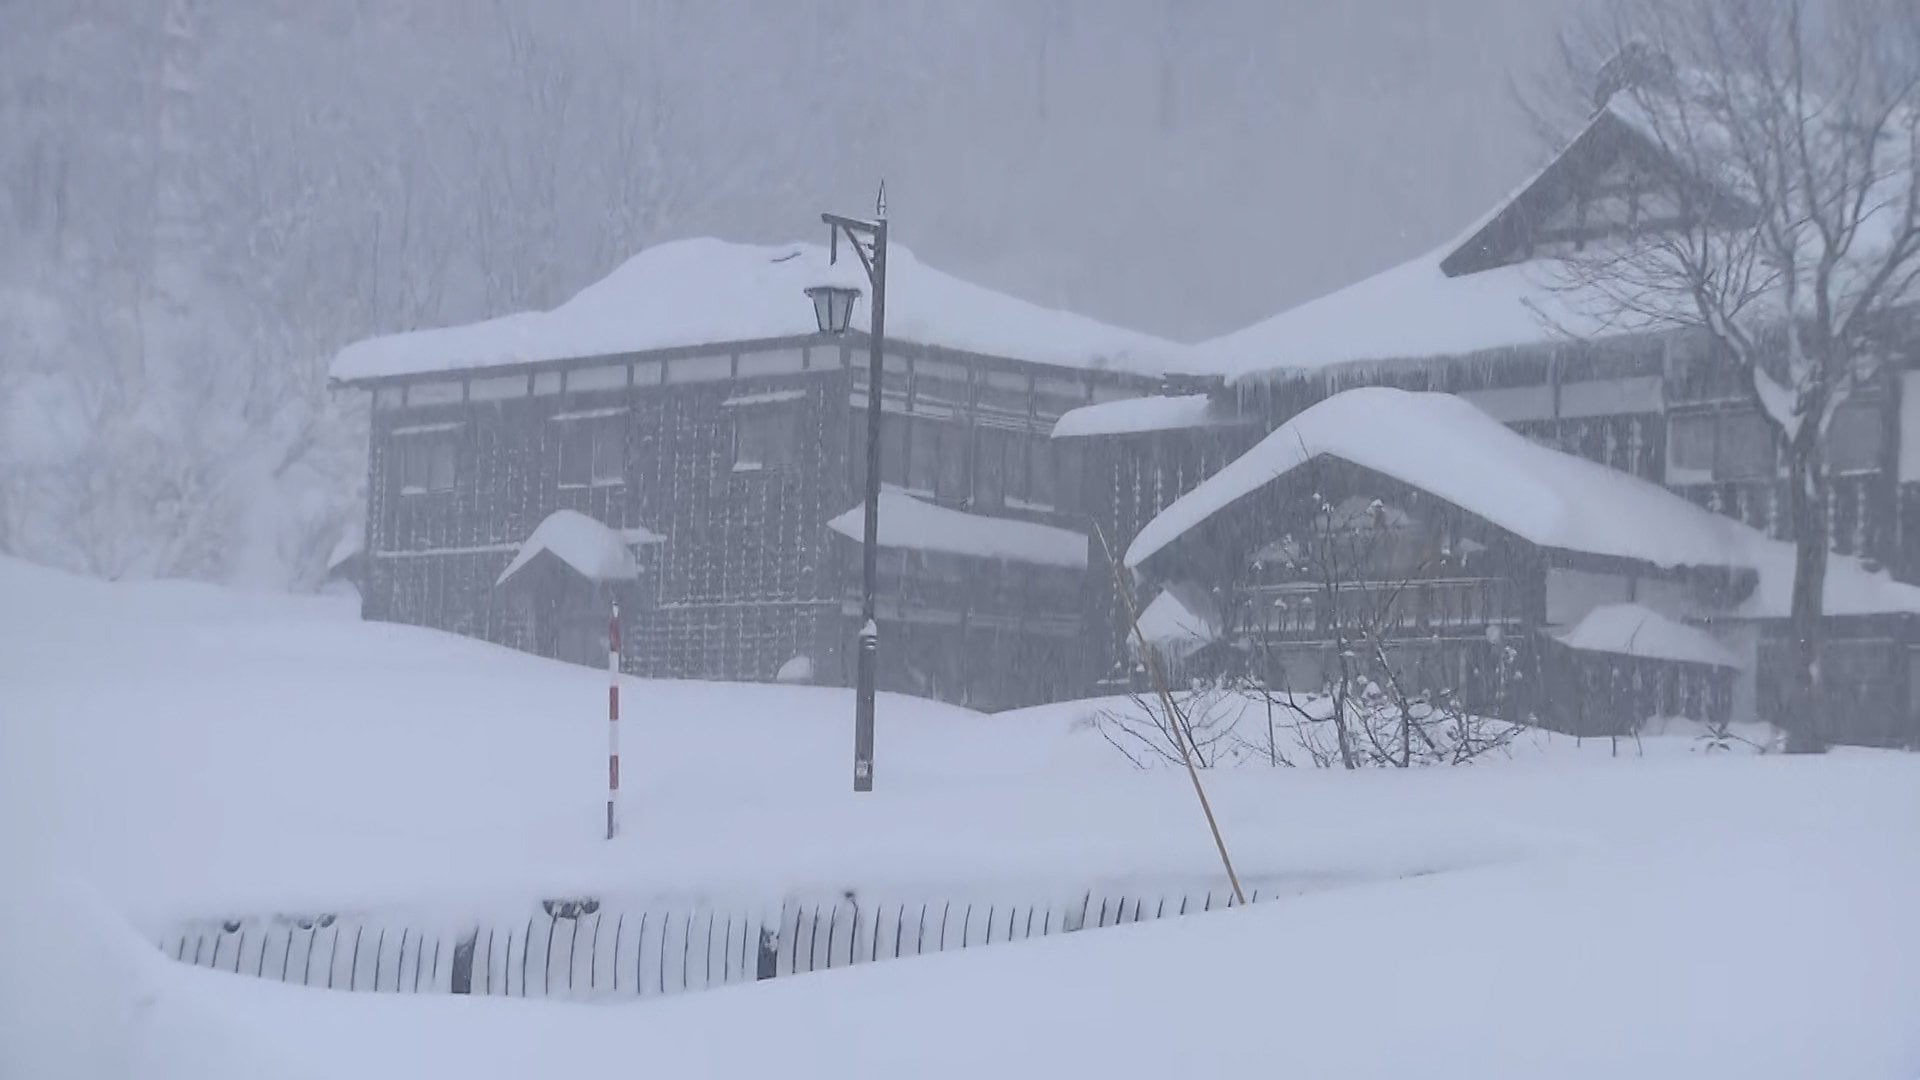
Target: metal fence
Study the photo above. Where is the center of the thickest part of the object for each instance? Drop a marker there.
(584, 950)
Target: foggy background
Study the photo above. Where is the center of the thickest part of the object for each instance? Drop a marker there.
(203, 200)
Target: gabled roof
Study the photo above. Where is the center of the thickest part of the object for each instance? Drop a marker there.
(1445, 446)
(704, 291)
(909, 523)
(1476, 293)
(1504, 236)
(594, 550)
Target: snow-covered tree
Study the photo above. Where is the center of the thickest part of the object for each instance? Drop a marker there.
(1791, 227)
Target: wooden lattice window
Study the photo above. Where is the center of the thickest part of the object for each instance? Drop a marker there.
(427, 458)
(592, 450)
(765, 438)
(1854, 438)
(1720, 445)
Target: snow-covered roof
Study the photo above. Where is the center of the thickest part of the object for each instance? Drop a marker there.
(1414, 311)
(352, 541)
(700, 291)
(1851, 588)
(1637, 630)
(1181, 620)
(907, 522)
(1134, 415)
(598, 551)
(1447, 447)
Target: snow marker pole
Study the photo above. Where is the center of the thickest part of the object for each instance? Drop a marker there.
(1177, 724)
(613, 720)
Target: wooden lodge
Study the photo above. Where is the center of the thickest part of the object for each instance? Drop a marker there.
(688, 411)
(1488, 319)
(722, 436)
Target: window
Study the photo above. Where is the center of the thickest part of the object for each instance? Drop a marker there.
(1066, 474)
(426, 461)
(1040, 473)
(893, 447)
(765, 439)
(1853, 440)
(1690, 443)
(592, 451)
(1720, 445)
(950, 479)
(923, 466)
(990, 468)
(1744, 449)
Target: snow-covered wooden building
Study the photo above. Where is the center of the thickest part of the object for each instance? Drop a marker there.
(1493, 318)
(680, 436)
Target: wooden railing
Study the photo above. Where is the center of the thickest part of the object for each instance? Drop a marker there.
(1307, 610)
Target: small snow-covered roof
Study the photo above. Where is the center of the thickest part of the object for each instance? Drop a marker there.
(597, 551)
(1638, 630)
(352, 541)
(1851, 588)
(1134, 415)
(701, 291)
(1445, 446)
(1180, 621)
(907, 522)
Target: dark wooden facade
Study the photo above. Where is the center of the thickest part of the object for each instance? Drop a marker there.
(1463, 607)
(736, 455)
(1622, 403)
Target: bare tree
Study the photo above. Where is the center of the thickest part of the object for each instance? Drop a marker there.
(1386, 699)
(1788, 228)
(1362, 689)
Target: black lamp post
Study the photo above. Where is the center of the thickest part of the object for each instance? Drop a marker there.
(833, 309)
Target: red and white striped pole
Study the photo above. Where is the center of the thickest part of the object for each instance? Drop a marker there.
(613, 720)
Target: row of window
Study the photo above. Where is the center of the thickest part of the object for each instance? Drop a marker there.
(984, 467)
(592, 454)
(1739, 444)
(992, 467)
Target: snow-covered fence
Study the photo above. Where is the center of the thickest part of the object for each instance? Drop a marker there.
(323, 951)
(585, 950)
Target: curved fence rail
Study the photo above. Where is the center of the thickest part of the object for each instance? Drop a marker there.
(584, 950)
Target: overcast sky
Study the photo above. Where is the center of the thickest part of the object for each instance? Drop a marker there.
(1201, 164)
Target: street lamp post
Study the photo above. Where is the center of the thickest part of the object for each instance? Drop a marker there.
(833, 308)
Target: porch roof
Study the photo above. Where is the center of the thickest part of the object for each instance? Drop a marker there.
(1445, 446)
(595, 550)
(909, 523)
(1130, 416)
(1181, 620)
(1639, 631)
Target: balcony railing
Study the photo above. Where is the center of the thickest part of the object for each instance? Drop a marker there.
(1417, 608)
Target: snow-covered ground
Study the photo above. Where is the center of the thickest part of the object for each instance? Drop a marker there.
(170, 750)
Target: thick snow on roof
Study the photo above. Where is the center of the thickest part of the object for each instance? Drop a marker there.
(1415, 311)
(1443, 445)
(703, 290)
(1637, 630)
(597, 551)
(1134, 415)
(907, 522)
